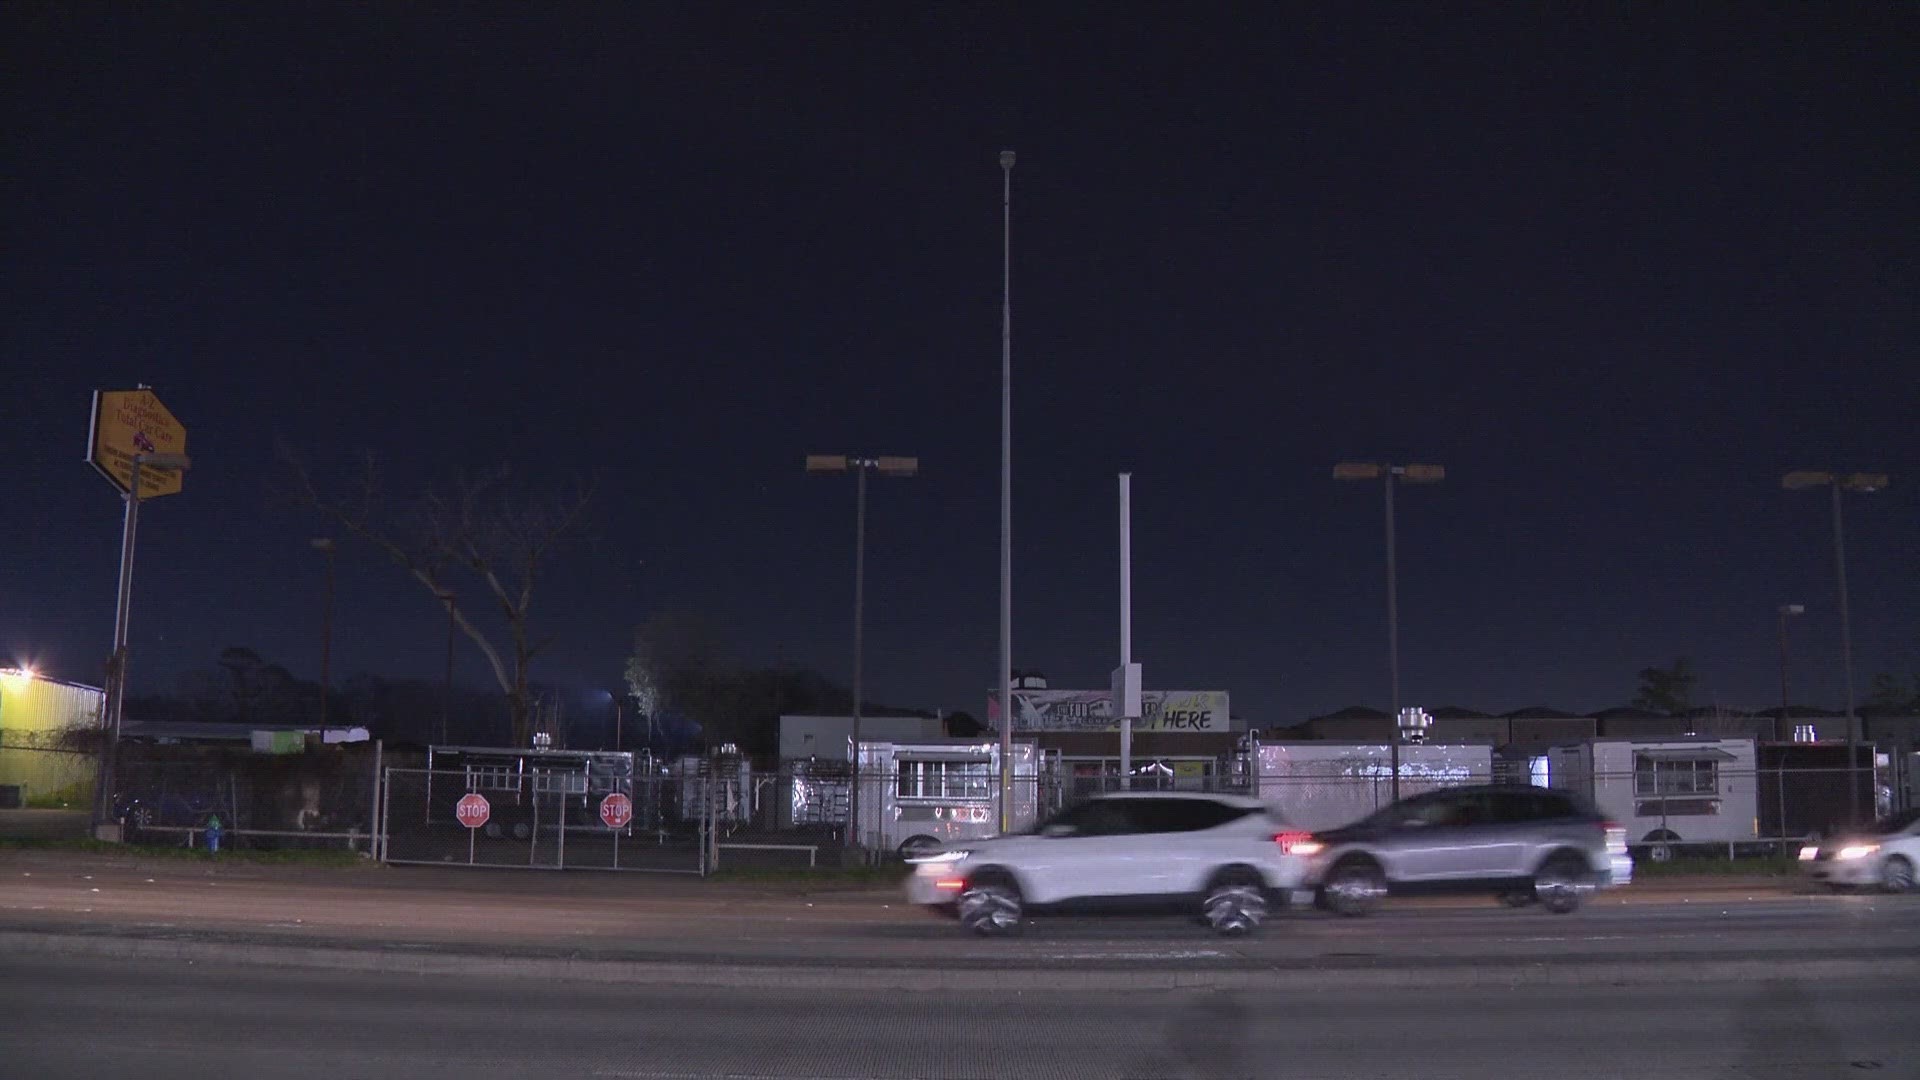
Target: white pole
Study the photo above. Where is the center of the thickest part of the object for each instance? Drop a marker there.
(1006, 492)
(1126, 625)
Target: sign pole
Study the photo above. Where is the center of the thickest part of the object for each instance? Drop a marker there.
(117, 666)
(1121, 701)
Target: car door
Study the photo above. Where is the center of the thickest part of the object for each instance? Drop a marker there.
(1084, 853)
(1212, 834)
(1179, 843)
(1460, 838)
(1412, 834)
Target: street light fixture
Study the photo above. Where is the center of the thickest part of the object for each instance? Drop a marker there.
(1859, 484)
(1407, 474)
(860, 466)
(1783, 730)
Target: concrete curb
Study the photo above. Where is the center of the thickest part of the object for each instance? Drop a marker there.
(428, 962)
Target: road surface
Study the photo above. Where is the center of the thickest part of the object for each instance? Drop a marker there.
(66, 1018)
(627, 918)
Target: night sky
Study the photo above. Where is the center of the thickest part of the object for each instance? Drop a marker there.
(1617, 276)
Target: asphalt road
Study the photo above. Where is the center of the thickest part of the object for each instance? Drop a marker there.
(62, 1018)
(686, 920)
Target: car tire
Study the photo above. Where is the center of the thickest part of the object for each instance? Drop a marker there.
(1896, 875)
(1235, 903)
(1355, 888)
(1563, 883)
(914, 847)
(990, 905)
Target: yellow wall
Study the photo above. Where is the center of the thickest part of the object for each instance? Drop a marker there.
(33, 713)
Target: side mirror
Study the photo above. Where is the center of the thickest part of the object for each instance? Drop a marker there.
(1055, 832)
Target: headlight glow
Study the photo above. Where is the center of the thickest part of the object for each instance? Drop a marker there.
(940, 858)
(1857, 851)
(1809, 853)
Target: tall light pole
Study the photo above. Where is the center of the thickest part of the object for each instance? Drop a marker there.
(861, 466)
(1006, 491)
(1411, 474)
(447, 597)
(122, 616)
(325, 546)
(1784, 729)
(1859, 484)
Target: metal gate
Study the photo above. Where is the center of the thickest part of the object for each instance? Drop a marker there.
(541, 819)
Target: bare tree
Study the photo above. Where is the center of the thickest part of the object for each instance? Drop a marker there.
(487, 529)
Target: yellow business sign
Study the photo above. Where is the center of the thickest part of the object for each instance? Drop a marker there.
(130, 422)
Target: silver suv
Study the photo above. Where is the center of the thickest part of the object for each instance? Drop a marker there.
(1522, 844)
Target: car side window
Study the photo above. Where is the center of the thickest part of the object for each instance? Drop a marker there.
(1106, 817)
(1430, 812)
(1521, 807)
(1182, 815)
(1475, 809)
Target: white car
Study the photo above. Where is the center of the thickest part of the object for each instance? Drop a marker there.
(1222, 859)
(1883, 856)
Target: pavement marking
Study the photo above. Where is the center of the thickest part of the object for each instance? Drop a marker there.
(1167, 954)
(630, 1075)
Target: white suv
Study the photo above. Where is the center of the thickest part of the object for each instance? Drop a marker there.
(1222, 859)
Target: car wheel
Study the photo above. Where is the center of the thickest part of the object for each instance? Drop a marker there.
(1355, 888)
(990, 905)
(1562, 884)
(1897, 875)
(1236, 903)
(914, 847)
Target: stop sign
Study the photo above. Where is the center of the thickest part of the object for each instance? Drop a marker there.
(472, 810)
(616, 810)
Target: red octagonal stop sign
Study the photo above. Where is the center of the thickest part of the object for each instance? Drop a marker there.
(473, 810)
(616, 810)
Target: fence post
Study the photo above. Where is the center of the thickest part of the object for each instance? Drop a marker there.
(373, 829)
(385, 794)
(1780, 791)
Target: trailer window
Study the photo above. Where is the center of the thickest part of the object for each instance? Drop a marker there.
(945, 779)
(1698, 776)
(491, 778)
(563, 783)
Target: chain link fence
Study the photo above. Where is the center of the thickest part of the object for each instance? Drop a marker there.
(323, 796)
(542, 820)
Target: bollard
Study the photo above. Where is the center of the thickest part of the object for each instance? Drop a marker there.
(213, 834)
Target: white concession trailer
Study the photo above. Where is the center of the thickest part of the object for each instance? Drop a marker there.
(1666, 791)
(926, 795)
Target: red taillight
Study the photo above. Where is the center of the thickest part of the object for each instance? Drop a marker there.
(950, 884)
(1298, 843)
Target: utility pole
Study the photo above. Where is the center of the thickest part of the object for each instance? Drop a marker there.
(1006, 491)
(326, 547)
(1126, 678)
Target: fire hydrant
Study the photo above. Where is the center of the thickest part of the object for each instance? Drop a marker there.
(213, 834)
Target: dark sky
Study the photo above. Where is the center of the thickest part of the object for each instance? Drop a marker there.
(1616, 276)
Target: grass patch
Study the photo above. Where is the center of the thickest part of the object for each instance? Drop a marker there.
(333, 857)
(824, 877)
(1702, 866)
